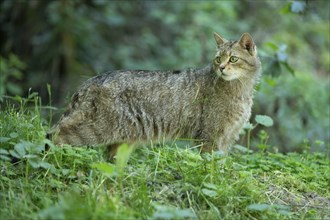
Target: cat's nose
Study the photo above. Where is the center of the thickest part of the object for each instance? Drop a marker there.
(222, 67)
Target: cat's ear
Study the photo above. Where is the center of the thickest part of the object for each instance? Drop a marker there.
(218, 39)
(247, 43)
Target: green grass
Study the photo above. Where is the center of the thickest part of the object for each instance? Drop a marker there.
(167, 182)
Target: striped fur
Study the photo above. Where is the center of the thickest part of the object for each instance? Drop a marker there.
(209, 104)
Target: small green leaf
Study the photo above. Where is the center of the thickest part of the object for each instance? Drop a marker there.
(13, 135)
(3, 151)
(13, 88)
(258, 207)
(271, 81)
(17, 74)
(218, 154)
(16, 62)
(3, 157)
(34, 162)
(210, 186)
(30, 156)
(264, 120)
(123, 153)
(282, 207)
(288, 68)
(242, 149)
(248, 125)
(65, 171)
(262, 147)
(272, 46)
(286, 8)
(104, 168)
(49, 143)
(20, 149)
(298, 7)
(168, 212)
(210, 193)
(32, 95)
(45, 165)
(14, 154)
(4, 139)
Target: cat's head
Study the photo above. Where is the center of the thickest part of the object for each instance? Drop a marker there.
(236, 59)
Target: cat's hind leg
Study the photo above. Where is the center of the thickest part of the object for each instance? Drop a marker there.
(111, 151)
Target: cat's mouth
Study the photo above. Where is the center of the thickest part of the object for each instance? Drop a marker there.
(225, 76)
(228, 77)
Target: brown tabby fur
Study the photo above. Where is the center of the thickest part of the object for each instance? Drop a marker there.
(209, 104)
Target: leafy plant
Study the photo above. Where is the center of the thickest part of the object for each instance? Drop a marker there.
(260, 120)
(18, 123)
(11, 69)
(294, 110)
(275, 59)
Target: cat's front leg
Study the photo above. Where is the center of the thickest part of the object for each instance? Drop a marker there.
(217, 145)
(217, 141)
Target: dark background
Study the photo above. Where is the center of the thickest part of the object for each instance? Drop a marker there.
(64, 42)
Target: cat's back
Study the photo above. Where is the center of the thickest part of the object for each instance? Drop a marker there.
(161, 92)
(127, 78)
(145, 84)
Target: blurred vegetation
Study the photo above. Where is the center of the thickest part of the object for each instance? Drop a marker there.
(63, 42)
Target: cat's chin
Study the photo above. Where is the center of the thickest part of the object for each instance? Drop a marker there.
(228, 77)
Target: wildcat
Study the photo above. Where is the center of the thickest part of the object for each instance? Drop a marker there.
(210, 104)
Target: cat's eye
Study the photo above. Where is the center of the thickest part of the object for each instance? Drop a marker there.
(217, 60)
(233, 59)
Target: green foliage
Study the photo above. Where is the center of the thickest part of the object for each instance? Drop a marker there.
(255, 186)
(21, 124)
(299, 110)
(167, 212)
(264, 120)
(11, 70)
(164, 182)
(294, 7)
(276, 60)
